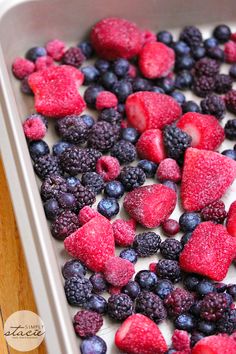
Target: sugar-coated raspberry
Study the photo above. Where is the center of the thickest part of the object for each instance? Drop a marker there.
(168, 170)
(148, 36)
(22, 67)
(180, 340)
(114, 290)
(170, 227)
(43, 63)
(106, 99)
(34, 127)
(55, 49)
(108, 167)
(118, 271)
(124, 232)
(86, 214)
(87, 323)
(152, 267)
(230, 52)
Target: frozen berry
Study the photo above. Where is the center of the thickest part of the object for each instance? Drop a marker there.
(148, 167)
(189, 221)
(94, 344)
(204, 287)
(94, 181)
(108, 167)
(78, 290)
(230, 129)
(214, 212)
(67, 201)
(170, 227)
(124, 232)
(38, 148)
(118, 271)
(64, 225)
(114, 189)
(91, 93)
(108, 207)
(103, 136)
(60, 147)
(35, 52)
(151, 306)
(146, 279)
(223, 83)
(146, 244)
(129, 254)
(86, 49)
(132, 289)
(132, 177)
(191, 106)
(51, 209)
(88, 120)
(178, 301)
(55, 48)
(22, 67)
(110, 115)
(163, 288)
(191, 35)
(222, 33)
(73, 268)
(124, 151)
(74, 57)
(120, 307)
(213, 105)
(213, 306)
(230, 101)
(169, 269)
(52, 187)
(203, 86)
(87, 323)
(47, 165)
(105, 100)
(43, 63)
(34, 127)
(96, 303)
(170, 249)
(185, 322)
(91, 74)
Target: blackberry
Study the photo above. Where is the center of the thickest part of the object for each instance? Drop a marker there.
(94, 181)
(227, 323)
(110, 115)
(78, 290)
(171, 248)
(132, 177)
(84, 195)
(223, 83)
(87, 323)
(214, 105)
(74, 57)
(178, 301)
(176, 142)
(192, 36)
(46, 166)
(103, 136)
(230, 101)
(72, 129)
(75, 160)
(168, 269)
(66, 223)
(230, 129)
(213, 306)
(124, 151)
(207, 67)
(38, 148)
(214, 212)
(203, 86)
(120, 307)
(151, 306)
(52, 186)
(146, 244)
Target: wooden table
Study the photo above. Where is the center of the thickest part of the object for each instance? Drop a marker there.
(15, 288)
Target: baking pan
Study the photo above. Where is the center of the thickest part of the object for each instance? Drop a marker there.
(24, 24)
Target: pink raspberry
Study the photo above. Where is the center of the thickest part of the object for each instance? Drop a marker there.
(118, 271)
(55, 49)
(124, 232)
(108, 167)
(34, 127)
(168, 170)
(132, 72)
(43, 63)
(114, 290)
(124, 124)
(148, 36)
(233, 37)
(86, 214)
(230, 52)
(152, 267)
(22, 67)
(106, 99)
(181, 340)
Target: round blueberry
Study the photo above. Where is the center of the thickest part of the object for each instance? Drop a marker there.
(72, 182)
(60, 147)
(210, 43)
(93, 345)
(157, 89)
(204, 287)
(191, 106)
(220, 287)
(196, 337)
(120, 67)
(178, 96)
(121, 108)
(198, 53)
(73, 268)
(191, 281)
(206, 327)
(91, 74)
(38, 148)
(189, 221)
(181, 48)
(183, 80)
(186, 62)
(129, 254)
(170, 184)
(51, 209)
(67, 201)
(25, 87)
(132, 289)
(108, 207)
(98, 282)
(185, 322)
(148, 167)
(232, 71)
(34, 53)
(96, 303)
(108, 80)
(130, 134)
(165, 37)
(86, 49)
(231, 289)
(114, 189)
(195, 309)
(122, 89)
(216, 53)
(91, 93)
(88, 120)
(163, 288)
(222, 33)
(185, 238)
(141, 84)
(102, 65)
(146, 279)
(230, 153)
(167, 84)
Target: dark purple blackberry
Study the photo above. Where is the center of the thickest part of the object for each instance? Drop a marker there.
(213, 306)
(171, 248)
(110, 115)
(78, 290)
(66, 223)
(46, 166)
(94, 181)
(72, 129)
(103, 136)
(75, 160)
(73, 268)
(203, 86)
(124, 151)
(151, 306)
(52, 186)
(98, 282)
(84, 196)
(192, 36)
(230, 101)
(176, 142)
(73, 56)
(132, 177)
(178, 301)
(120, 307)
(132, 289)
(230, 129)
(206, 67)
(214, 212)
(146, 244)
(227, 323)
(67, 201)
(223, 83)
(168, 269)
(214, 105)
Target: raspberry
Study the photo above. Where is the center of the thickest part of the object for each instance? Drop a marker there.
(213, 306)
(55, 49)
(152, 267)
(120, 306)
(170, 249)
(230, 129)
(132, 177)
(87, 323)
(192, 36)
(22, 67)
(85, 196)
(227, 323)
(203, 86)
(43, 63)
(52, 187)
(34, 127)
(86, 214)
(151, 306)
(168, 269)
(168, 170)
(103, 136)
(124, 151)
(108, 167)
(64, 225)
(148, 36)
(230, 101)
(223, 83)
(207, 67)
(170, 227)
(74, 57)
(180, 340)
(78, 290)
(214, 212)
(110, 115)
(114, 290)
(72, 129)
(176, 142)
(214, 105)
(146, 244)
(106, 99)
(75, 160)
(230, 52)
(118, 271)
(124, 232)
(178, 301)
(46, 166)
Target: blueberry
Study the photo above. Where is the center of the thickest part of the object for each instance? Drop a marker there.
(120, 67)
(91, 74)
(185, 238)
(25, 87)
(130, 134)
(93, 345)
(38, 148)
(199, 53)
(129, 254)
(186, 62)
(231, 289)
(73, 268)
(67, 201)
(210, 42)
(34, 53)
(222, 33)
(148, 167)
(108, 207)
(191, 106)
(121, 108)
(165, 37)
(220, 287)
(102, 65)
(206, 327)
(195, 309)
(114, 189)
(230, 153)
(98, 282)
(189, 221)
(183, 80)
(216, 53)
(88, 120)
(72, 182)
(170, 351)
(51, 209)
(132, 289)
(178, 96)
(122, 89)
(157, 89)
(86, 49)
(232, 71)
(181, 48)
(163, 288)
(91, 93)
(204, 287)
(96, 303)
(170, 184)
(185, 322)
(60, 147)
(191, 281)
(196, 337)
(140, 84)
(146, 279)
(167, 84)
(108, 80)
